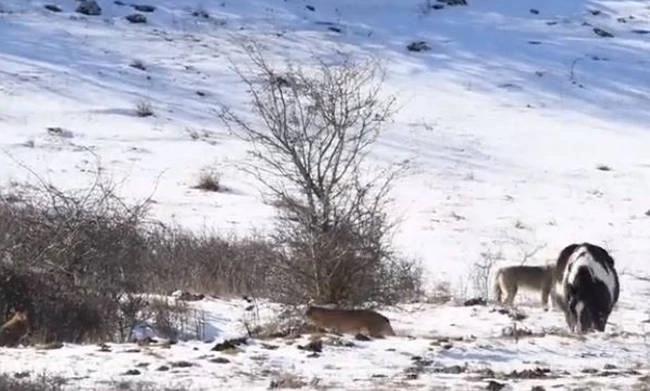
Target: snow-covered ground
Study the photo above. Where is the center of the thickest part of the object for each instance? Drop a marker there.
(505, 122)
(446, 347)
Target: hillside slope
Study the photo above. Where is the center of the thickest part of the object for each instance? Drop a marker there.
(525, 127)
(498, 134)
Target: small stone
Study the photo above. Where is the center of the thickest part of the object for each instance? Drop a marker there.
(229, 344)
(315, 346)
(144, 8)
(136, 18)
(452, 3)
(602, 33)
(494, 386)
(181, 364)
(89, 7)
(201, 14)
(418, 46)
(52, 7)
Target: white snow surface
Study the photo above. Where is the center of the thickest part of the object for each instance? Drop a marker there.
(431, 341)
(505, 122)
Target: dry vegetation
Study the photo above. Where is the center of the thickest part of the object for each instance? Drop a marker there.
(45, 383)
(144, 109)
(41, 383)
(209, 180)
(318, 126)
(79, 261)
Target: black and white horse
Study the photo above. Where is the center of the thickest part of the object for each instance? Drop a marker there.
(586, 286)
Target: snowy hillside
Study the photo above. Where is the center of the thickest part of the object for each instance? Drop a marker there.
(526, 125)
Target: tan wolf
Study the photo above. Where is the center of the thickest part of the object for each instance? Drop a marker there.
(357, 321)
(509, 279)
(13, 331)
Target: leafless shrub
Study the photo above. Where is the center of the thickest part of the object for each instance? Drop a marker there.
(168, 318)
(206, 262)
(144, 109)
(131, 308)
(41, 383)
(480, 273)
(287, 380)
(68, 257)
(209, 180)
(290, 321)
(127, 385)
(317, 128)
(440, 294)
(77, 259)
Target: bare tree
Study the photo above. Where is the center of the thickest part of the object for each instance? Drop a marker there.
(315, 129)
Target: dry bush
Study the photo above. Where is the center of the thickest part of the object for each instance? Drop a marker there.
(288, 381)
(78, 260)
(171, 319)
(480, 272)
(68, 257)
(41, 383)
(175, 320)
(317, 126)
(128, 385)
(290, 321)
(206, 262)
(143, 108)
(340, 266)
(483, 272)
(440, 294)
(131, 312)
(209, 180)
